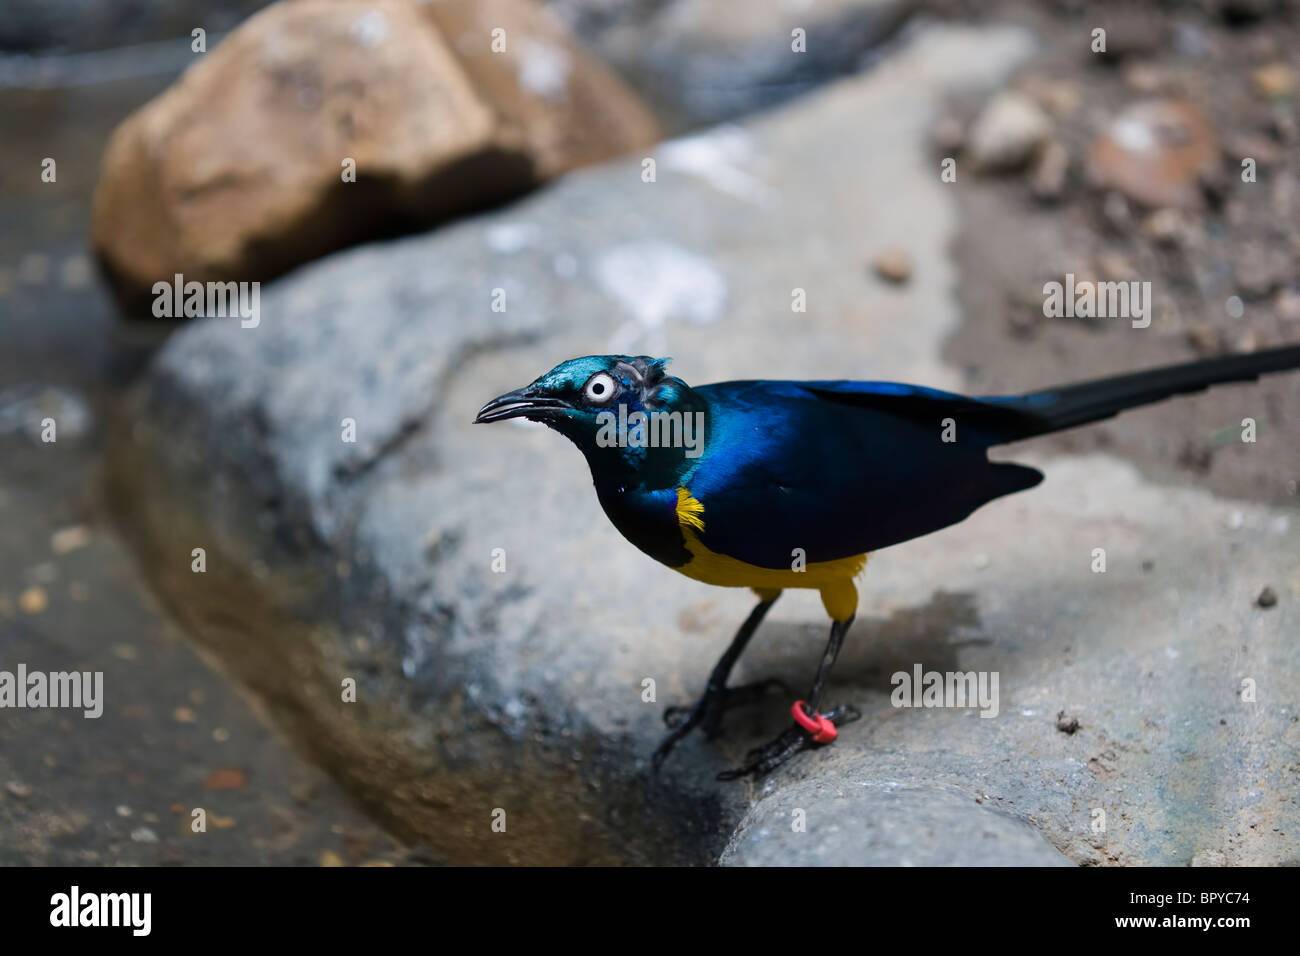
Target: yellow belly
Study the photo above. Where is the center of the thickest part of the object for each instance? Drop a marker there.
(834, 579)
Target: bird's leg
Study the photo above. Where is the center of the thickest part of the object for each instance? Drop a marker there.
(771, 755)
(708, 710)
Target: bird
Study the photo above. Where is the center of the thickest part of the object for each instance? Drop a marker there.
(772, 485)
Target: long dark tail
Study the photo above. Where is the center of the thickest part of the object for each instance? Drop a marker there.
(1051, 410)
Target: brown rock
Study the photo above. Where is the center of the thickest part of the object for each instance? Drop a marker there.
(1007, 133)
(1165, 227)
(1157, 153)
(1287, 305)
(1067, 724)
(1145, 79)
(1206, 339)
(236, 171)
(1273, 81)
(226, 779)
(33, 600)
(893, 265)
(1260, 267)
(1047, 181)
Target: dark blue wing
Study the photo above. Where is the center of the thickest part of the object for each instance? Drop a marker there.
(840, 468)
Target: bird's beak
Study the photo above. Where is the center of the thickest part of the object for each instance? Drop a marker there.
(526, 402)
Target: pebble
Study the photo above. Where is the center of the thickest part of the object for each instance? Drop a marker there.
(1205, 339)
(1007, 133)
(1287, 304)
(1165, 227)
(1260, 268)
(33, 601)
(69, 539)
(1115, 268)
(1144, 79)
(75, 272)
(226, 779)
(1066, 725)
(948, 135)
(144, 835)
(893, 265)
(1047, 181)
(18, 789)
(1273, 81)
(1156, 153)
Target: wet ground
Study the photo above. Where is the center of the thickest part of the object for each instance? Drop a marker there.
(175, 735)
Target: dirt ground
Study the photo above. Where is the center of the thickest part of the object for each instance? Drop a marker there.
(1244, 241)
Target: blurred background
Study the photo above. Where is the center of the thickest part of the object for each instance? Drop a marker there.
(631, 175)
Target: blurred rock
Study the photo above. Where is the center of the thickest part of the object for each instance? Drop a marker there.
(1156, 152)
(237, 172)
(1206, 340)
(948, 136)
(1047, 181)
(1007, 133)
(1060, 97)
(42, 25)
(1287, 304)
(1165, 227)
(1259, 268)
(1113, 267)
(893, 265)
(1144, 78)
(1273, 81)
(707, 60)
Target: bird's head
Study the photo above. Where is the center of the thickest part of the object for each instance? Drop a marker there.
(594, 401)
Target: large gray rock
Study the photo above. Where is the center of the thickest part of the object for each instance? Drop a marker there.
(522, 691)
(709, 60)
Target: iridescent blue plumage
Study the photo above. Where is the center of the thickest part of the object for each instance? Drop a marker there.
(790, 484)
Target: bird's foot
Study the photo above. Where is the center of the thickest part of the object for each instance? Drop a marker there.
(707, 712)
(800, 736)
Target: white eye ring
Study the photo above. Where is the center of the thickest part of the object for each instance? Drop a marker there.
(600, 388)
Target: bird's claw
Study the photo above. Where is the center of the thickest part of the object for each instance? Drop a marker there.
(707, 713)
(793, 740)
(708, 710)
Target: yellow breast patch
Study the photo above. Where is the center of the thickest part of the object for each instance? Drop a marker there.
(834, 579)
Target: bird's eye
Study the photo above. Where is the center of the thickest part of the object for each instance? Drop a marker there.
(600, 388)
